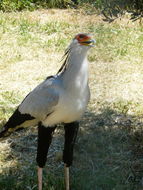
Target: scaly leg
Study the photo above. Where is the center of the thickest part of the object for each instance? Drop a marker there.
(71, 130)
(44, 141)
(40, 172)
(67, 181)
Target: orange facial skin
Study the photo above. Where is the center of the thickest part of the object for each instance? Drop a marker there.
(83, 39)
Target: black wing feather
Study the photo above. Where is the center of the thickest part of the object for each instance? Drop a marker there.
(15, 120)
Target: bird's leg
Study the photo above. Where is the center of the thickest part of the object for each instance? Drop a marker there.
(44, 141)
(71, 130)
(67, 181)
(40, 173)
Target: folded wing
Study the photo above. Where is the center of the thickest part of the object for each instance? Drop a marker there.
(35, 107)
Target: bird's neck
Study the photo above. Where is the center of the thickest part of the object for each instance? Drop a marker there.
(76, 73)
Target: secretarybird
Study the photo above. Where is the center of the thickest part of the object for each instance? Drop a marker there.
(61, 98)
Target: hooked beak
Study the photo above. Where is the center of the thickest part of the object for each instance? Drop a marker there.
(90, 43)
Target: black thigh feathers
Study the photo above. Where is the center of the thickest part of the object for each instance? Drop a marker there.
(15, 120)
(71, 130)
(44, 141)
(45, 138)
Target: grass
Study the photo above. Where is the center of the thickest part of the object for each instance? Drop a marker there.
(109, 148)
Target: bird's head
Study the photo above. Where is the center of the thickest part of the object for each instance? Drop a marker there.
(84, 39)
(77, 49)
(81, 41)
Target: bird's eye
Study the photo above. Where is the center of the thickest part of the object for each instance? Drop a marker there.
(81, 36)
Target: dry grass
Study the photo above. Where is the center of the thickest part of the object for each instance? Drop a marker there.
(108, 152)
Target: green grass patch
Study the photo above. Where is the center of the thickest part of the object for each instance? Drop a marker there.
(108, 152)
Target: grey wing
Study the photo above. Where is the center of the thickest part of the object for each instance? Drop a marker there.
(42, 100)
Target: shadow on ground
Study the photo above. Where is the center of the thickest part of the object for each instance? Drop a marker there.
(108, 156)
